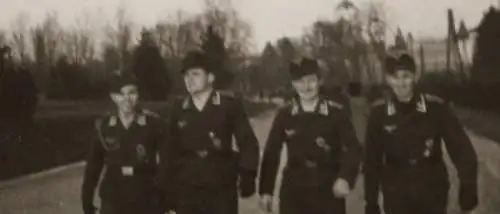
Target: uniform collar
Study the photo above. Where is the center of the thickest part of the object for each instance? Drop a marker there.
(214, 98)
(139, 118)
(419, 101)
(320, 108)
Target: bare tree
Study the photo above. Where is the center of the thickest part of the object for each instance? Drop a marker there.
(53, 35)
(176, 35)
(80, 45)
(120, 35)
(46, 39)
(224, 18)
(19, 37)
(376, 21)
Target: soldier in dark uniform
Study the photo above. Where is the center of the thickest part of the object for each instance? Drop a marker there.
(403, 149)
(129, 140)
(323, 151)
(202, 162)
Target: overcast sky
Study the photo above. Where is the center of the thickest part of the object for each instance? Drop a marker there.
(269, 19)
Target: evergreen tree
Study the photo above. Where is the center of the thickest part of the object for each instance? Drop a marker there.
(463, 33)
(272, 76)
(399, 40)
(217, 56)
(486, 65)
(287, 49)
(150, 70)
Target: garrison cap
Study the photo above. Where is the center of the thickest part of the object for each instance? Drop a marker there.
(195, 59)
(403, 62)
(118, 81)
(306, 67)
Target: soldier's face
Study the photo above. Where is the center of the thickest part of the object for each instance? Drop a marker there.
(402, 83)
(198, 80)
(126, 100)
(308, 86)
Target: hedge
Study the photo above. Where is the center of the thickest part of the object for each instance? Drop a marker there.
(58, 140)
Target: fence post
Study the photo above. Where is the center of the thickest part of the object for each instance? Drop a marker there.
(422, 60)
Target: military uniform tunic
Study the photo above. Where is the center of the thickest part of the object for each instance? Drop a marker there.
(404, 157)
(202, 162)
(322, 147)
(129, 157)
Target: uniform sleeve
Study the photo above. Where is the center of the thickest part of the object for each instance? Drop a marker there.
(352, 153)
(169, 148)
(93, 169)
(272, 156)
(246, 140)
(463, 156)
(168, 157)
(373, 161)
(160, 141)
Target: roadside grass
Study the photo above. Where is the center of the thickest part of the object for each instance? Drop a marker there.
(483, 123)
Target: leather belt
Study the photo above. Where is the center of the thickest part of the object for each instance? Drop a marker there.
(303, 163)
(411, 162)
(204, 153)
(132, 170)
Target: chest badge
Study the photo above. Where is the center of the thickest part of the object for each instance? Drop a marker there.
(215, 140)
(182, 124)
(427, 153)
(111, 143)
(141, 152)
(320, 142)
(323, 109)
(429, 143)
(390, 128)
(289, 132)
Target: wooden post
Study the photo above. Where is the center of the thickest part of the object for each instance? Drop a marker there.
(449, 40)
(460, 61)
(422, 60)
(454, 45)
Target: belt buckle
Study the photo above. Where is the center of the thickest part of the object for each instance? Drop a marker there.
(127, 170)
(202, 153)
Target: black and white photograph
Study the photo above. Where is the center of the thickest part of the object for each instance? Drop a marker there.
(249, 106)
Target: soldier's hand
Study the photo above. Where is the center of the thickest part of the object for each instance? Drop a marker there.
(341, 188)
(266, 203)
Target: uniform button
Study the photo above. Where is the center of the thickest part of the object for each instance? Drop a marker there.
(202, 153)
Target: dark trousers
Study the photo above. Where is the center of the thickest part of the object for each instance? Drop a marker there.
(129, 208)
(406, 202)
(409, 193)
(207, 200)
(310, 200)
